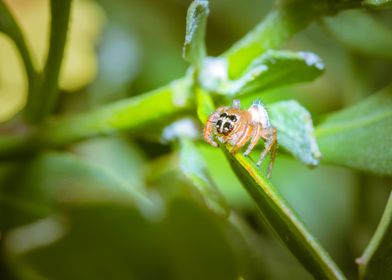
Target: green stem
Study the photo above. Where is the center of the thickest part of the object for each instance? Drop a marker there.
(375, 263)
(43, 102)
(9, 26)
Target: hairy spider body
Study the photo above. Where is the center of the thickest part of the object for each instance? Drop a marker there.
(237, 127)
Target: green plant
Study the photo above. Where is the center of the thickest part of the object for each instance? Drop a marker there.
(74, 200)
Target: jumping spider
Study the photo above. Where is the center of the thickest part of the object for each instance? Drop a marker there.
(236, 127)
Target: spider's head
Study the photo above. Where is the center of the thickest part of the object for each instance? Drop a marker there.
(226, 123)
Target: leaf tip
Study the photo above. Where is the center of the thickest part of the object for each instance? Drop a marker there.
(194, 49)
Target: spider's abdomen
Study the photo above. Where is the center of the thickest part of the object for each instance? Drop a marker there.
(259, 115)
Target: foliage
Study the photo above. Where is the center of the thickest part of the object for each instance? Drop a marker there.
(362, 131)
(126, 190)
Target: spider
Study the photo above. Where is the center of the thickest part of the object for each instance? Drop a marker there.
(236, 127)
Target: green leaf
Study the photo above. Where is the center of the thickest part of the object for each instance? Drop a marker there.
(374, 39)
(272, 69)
(132, 114)
(284, 220)
(360, 136)
(117, 156)
(295, 131)
(224, 178)
(205, 104)
(194, 49)
(55, 179)
(192, 163)
(112, 241)
(276, 29)
(10, 27)
(45, 101)
(194, 168)
(377, 3)
(279, 68)
(375, 263)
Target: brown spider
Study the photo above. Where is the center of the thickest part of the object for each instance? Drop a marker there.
(236, 127)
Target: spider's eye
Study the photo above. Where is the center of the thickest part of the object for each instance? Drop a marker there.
(219, 123)
(223, 115)
(227, 126)
(233, 118)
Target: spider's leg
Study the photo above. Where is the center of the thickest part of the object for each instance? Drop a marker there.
(241, 141)
(256, 135)
(208, 129)
(273, 153)
(269, 134)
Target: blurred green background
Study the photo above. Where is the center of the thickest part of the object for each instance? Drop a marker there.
(118, 207)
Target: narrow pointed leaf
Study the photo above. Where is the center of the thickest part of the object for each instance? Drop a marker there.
(360, 136)
(375, 263)
(134, 113)
(205, 105)
(194, 49)
(295, 131)
(280, 216)
(284, 220)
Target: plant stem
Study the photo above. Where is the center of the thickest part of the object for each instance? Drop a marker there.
(10, 27)
(375, 261)
(42, 103)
